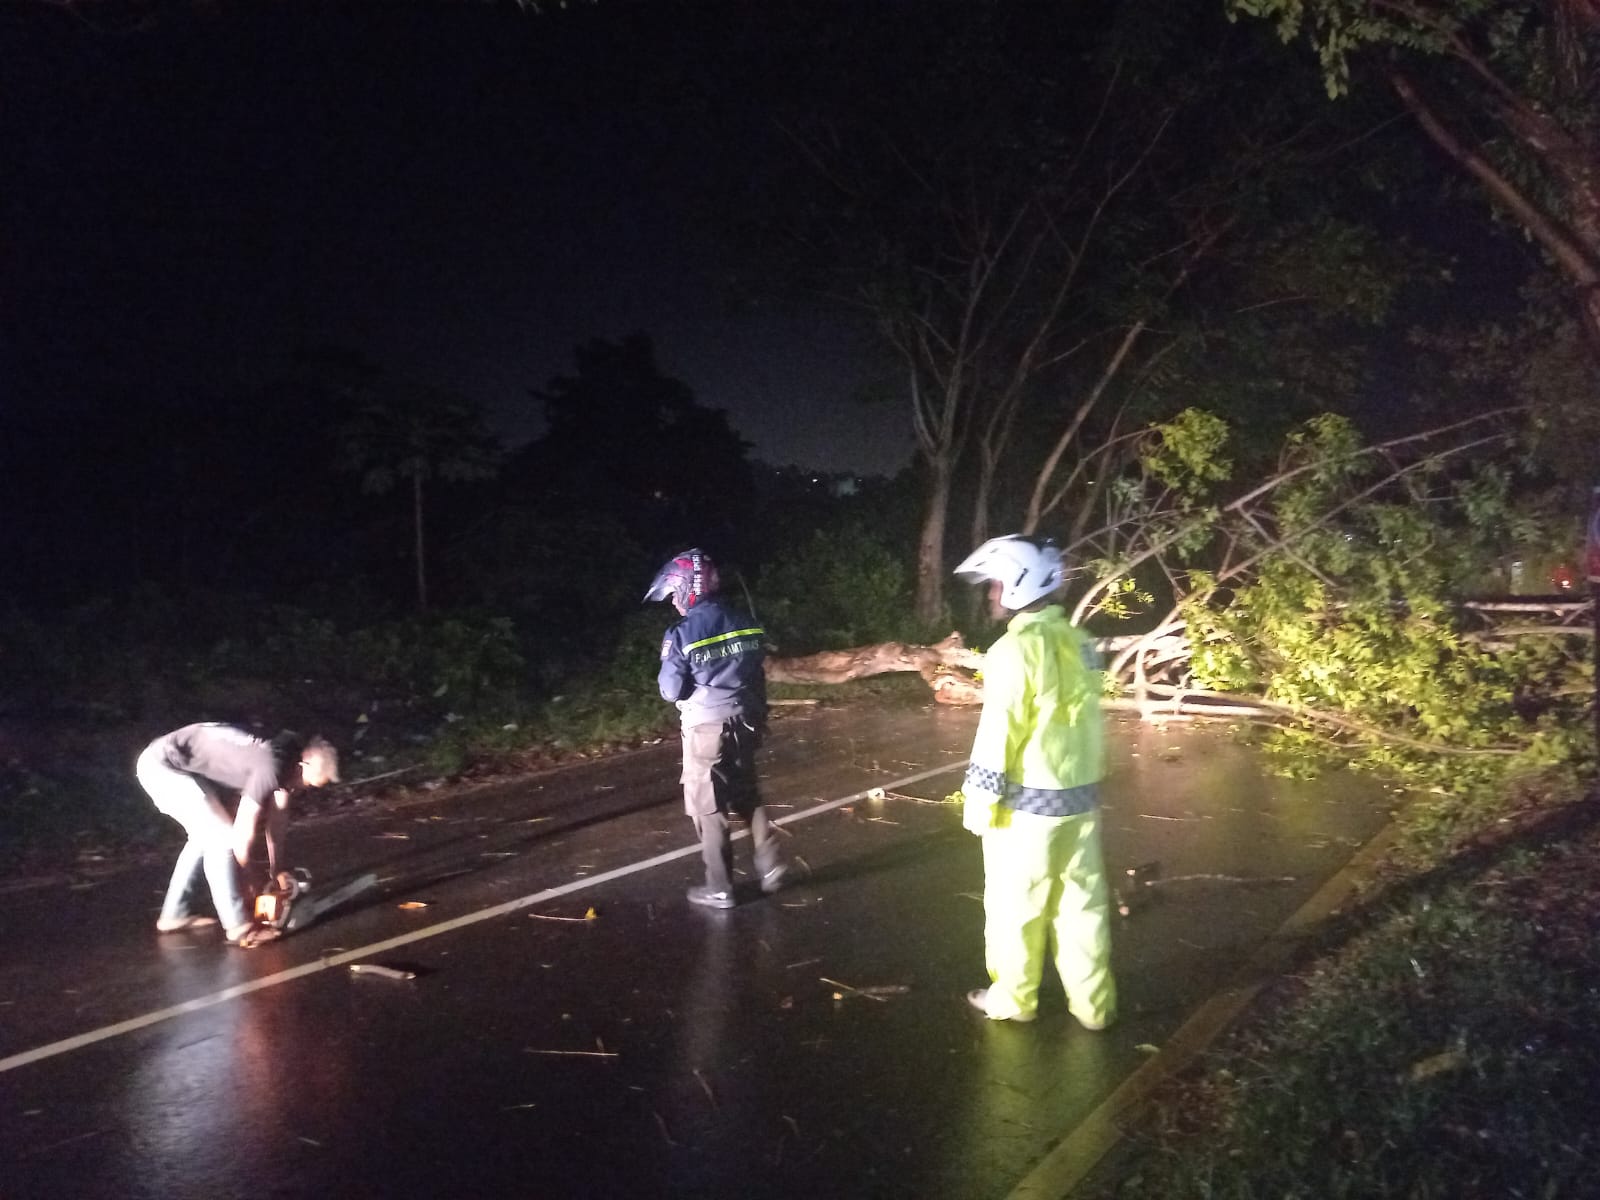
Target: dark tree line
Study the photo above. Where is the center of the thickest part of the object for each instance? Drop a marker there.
(1061, 222)
(338, 478)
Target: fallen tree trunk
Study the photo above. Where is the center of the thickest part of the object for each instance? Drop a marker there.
(950, 669)
(944, 666)
(1151, 668)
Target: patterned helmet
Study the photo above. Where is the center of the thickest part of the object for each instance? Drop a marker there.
(686, 579)
(1027, 569)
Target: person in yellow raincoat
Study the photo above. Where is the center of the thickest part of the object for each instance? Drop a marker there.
(1031, 793)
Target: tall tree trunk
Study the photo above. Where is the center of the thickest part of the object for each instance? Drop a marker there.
(930, 545)
(416, 516)
(1572, 240)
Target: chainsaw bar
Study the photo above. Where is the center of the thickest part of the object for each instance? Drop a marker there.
(307, 908)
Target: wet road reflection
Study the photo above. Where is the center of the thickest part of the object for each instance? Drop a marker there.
(659, 1049)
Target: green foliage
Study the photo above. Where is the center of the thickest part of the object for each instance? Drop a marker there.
(1189, 452)
(1121, 597)
(1445, 1053)
(1355, 614)
(563, 572)
(134, 660)
(1540, 363)
(632, 655)
(844, 586)
(1505, 87)
(462, 661)
(1507, 31)
(611, 696)
(88, 810)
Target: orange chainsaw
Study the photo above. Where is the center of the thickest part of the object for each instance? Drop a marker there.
(286, 903)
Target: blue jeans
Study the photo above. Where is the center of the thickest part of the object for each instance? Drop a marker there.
(210, 845)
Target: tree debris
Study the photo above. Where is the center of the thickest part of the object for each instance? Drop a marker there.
(879, 993)
(571, 1053)
(590, 915)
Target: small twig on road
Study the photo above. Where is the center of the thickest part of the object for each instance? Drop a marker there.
(1246, 880)
(77, 1137)
(386, 775)
(846, 988)
(904, 796)
(662, 1125)
(591, 915)
(706, 1087)
(572, 1053)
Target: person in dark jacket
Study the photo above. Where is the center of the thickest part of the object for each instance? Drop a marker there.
(712, 669)
(188, 772)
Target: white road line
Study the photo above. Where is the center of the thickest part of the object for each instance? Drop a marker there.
(79, 1041)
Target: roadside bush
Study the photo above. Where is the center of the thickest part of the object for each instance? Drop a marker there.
(1445, 1052)
(613, 696)
(467, 661)
(463, 660)
(845, 586)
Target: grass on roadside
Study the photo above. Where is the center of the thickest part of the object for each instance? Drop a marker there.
(79, 818)
(601, 719)
(1447, 1049)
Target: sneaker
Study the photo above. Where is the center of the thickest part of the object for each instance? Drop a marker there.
(774, 879)
(700, 894)
(1096, 1026)
(174, 924)
(979, 999)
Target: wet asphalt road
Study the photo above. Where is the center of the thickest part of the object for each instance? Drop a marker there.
(656, 1049)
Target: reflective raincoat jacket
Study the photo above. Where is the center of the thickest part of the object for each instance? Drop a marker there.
(1040, 744)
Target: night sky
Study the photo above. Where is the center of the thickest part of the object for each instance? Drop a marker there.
(461, 193)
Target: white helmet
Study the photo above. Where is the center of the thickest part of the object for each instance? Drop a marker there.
(1029, 569)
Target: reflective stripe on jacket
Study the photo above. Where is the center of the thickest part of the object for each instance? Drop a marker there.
(711, 665)
(1040, 745)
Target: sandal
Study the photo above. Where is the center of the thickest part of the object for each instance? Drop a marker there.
(175, 924)
(257, 935)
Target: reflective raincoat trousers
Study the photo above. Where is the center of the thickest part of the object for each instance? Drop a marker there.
(1031, 793)
(1045, 888)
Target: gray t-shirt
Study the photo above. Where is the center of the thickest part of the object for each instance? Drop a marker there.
(229, 758)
